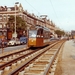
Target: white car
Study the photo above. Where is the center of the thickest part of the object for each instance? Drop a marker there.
(14, 42)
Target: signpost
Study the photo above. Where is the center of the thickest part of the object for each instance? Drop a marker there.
(14, 35)
(3, 44)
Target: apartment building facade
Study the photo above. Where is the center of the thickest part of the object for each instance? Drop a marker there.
(29, 18)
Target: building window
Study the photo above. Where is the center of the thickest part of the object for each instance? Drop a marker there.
(0, 18)
(0, 33)
(0, 25)
(4, 26)
(5, 33)
(4, 18)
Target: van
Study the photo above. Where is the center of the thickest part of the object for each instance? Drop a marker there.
(23, 40)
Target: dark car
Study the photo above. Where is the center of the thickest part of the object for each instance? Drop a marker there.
(23, 40)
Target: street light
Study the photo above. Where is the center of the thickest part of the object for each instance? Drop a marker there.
(15, 20)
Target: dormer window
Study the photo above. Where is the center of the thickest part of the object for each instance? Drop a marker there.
(20, 9)
(8, 9)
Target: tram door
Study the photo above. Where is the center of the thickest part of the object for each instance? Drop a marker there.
(39, 41)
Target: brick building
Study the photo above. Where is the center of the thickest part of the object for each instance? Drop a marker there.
(30, 19)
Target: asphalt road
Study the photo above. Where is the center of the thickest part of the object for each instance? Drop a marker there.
(7, 49)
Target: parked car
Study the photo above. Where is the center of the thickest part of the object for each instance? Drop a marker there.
(23, 40)
(53, 39)
(14, 42)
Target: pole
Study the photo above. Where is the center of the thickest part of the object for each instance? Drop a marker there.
(2, 45)
(15, 21)
(2, 48)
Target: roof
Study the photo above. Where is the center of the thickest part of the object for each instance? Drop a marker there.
(36, 27)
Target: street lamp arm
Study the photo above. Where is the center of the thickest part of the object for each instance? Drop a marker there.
(16, 2)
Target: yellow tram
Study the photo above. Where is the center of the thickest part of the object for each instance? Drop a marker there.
(39, 36)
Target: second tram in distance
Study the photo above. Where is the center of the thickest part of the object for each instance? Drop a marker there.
(38, 36)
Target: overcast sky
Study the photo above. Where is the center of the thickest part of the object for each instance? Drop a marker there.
(61, 12)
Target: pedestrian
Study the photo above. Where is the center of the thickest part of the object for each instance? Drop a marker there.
(2, 42)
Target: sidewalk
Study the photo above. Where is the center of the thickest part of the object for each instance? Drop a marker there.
(66, 62)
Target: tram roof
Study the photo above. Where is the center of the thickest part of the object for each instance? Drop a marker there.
(43, 27)
(40, 27)
(46, 29)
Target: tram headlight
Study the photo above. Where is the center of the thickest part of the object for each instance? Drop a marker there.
(38, 35)
(32, 40)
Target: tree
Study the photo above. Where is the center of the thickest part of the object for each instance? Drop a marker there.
(10, 23)
(20, 23)
(60, 33)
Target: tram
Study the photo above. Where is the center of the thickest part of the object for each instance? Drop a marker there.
(39, 36)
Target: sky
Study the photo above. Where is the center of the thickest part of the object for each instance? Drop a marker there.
(61, 12)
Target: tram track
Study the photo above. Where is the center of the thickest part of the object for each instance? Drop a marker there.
(21, 60)
(11, 56)
(41, 65)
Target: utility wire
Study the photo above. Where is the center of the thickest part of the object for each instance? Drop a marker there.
(32, 6)
(54, 9)
(39, 12)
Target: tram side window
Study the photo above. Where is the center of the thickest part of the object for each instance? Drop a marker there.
(40, 32)
(46, 34)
